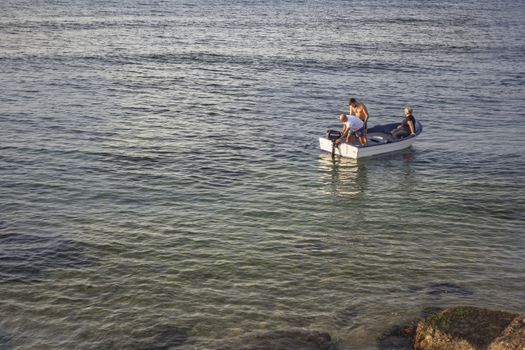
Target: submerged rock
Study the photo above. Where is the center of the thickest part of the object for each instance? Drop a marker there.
(397, 338)
(163, 337)
(448, 289)
(287, 340)
(442, 289)
(26, 257)
(469, 328)
(169, 340)
(401, 337)
(5, 340)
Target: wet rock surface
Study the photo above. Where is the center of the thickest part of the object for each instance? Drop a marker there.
(513, 337)
(469, 328)
(401, 337)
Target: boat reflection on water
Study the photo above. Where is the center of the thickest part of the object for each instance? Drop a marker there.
(393, 175)
(408, 179)
(343, 176)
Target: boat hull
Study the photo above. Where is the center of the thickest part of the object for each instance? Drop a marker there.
(351, 151)
(373, 148)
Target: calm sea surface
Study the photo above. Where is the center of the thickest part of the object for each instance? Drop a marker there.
(161, 184)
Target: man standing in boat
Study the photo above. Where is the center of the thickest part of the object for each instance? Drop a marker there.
(359, 110)
(352, 127)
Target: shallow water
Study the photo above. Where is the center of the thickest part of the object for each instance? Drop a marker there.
(162, 186)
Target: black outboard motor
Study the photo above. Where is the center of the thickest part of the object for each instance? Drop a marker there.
(333, 135)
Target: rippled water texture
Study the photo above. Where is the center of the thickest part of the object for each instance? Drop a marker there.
(161, 184)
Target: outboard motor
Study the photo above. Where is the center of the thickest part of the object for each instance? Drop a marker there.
(333, 135)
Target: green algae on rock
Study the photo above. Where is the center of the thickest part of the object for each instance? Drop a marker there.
(469, 328)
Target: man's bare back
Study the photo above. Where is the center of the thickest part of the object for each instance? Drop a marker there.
(359, 110)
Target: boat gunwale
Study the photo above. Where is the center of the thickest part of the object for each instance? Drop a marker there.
(381, 128)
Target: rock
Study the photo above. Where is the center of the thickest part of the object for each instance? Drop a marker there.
(513, 337)
(462, 328)
(400, 337)
(397, 338)
(287, 340)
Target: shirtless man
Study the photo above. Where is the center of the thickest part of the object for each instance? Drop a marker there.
(359, 110)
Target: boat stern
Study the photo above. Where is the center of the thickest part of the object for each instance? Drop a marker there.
(343, 149)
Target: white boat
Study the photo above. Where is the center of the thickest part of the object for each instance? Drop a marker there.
(379, 142)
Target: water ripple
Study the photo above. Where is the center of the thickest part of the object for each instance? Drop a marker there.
(162, 186)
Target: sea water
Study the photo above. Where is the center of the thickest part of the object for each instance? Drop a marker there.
(161, 184)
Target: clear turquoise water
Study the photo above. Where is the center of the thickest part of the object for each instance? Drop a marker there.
(162, 186)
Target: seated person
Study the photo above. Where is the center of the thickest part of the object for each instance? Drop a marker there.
(407, 127)
(352, 127)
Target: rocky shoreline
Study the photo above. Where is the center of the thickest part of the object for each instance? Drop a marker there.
(460, 328)
(470, 328)
(454, 328)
